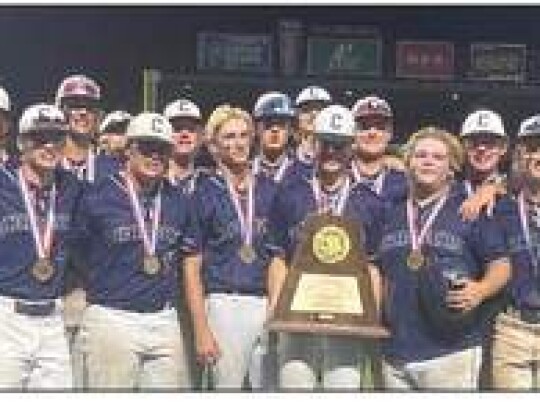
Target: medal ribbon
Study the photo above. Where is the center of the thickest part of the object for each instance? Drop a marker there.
(376, 185)
(278, 175)
(246, 222)
(149, 242)
(43, 242)
(524, 219)
(343, 196)
(417, 239)
(89, 167)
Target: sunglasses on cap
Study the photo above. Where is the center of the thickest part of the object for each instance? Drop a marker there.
(84, 88)
(376, 122)
(116, 128)
(150, 147)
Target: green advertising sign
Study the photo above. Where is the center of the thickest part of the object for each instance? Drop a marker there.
(344, 56)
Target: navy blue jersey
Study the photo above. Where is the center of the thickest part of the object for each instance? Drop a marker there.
(295, 169)
(224, 271)
(107, 165)
(295, 201)
(111, 247)
(299, 169)
(17, 247)
(102, 167)
(451, 244)
(393, 188)
(525, 280)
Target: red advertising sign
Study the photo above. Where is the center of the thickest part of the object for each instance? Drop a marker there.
(425, 59)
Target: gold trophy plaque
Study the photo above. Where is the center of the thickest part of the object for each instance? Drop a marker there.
(328, 287)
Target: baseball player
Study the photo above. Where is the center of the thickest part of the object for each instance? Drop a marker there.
(440, 271)
(229, 300)
(309, 102)
(37, 200)
(79, 97)
(274, 119)
(136, 229)
(485, 143)
(516, 340)
(186, 120)
(5, 123)
(374, 130)
(303, 359)
(112, 134)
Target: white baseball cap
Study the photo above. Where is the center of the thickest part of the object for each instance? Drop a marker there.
(483, 122)
(5, 103)
(313, 94)
(42, 117)
(372, 106)
(335, 122)
(116, 117)
(530, 127)
(182, 108)
(149, 125)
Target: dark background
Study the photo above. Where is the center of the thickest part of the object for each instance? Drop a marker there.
(40, 45)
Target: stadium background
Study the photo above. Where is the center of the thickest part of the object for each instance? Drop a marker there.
(41, 45)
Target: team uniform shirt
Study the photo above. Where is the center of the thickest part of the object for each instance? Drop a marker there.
(221, 231)
(295, 201)
(389, 184)
(288, 169)
(18, 251)
(524, 251)
(112, 249)
(450, 244)
(95, 168)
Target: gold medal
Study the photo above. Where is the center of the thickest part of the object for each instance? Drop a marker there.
(151, 265)
(43, 270)
(247, 254)
(415, 260)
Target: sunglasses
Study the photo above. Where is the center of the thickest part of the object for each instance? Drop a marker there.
(338, 146)
(80, 102)
(531, 145)
(151, 147)
(373, 122)
(486, 140)
(270, 122)
(47, 137)
(190, 125)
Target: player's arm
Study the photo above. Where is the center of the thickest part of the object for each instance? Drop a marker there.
(206, 346)
(483, 199)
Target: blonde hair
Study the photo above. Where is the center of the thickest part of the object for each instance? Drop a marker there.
(452, 143)
(221, 115)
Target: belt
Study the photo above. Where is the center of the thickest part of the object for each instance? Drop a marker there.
(141, 309)
(530, 316)
(34, 308)
(251, 293)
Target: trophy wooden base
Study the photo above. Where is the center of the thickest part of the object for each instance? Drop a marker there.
(327, 329)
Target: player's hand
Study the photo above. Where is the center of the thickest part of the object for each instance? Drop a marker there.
(466, 298)
(206, 346)
(483, 198)
(394, 163)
